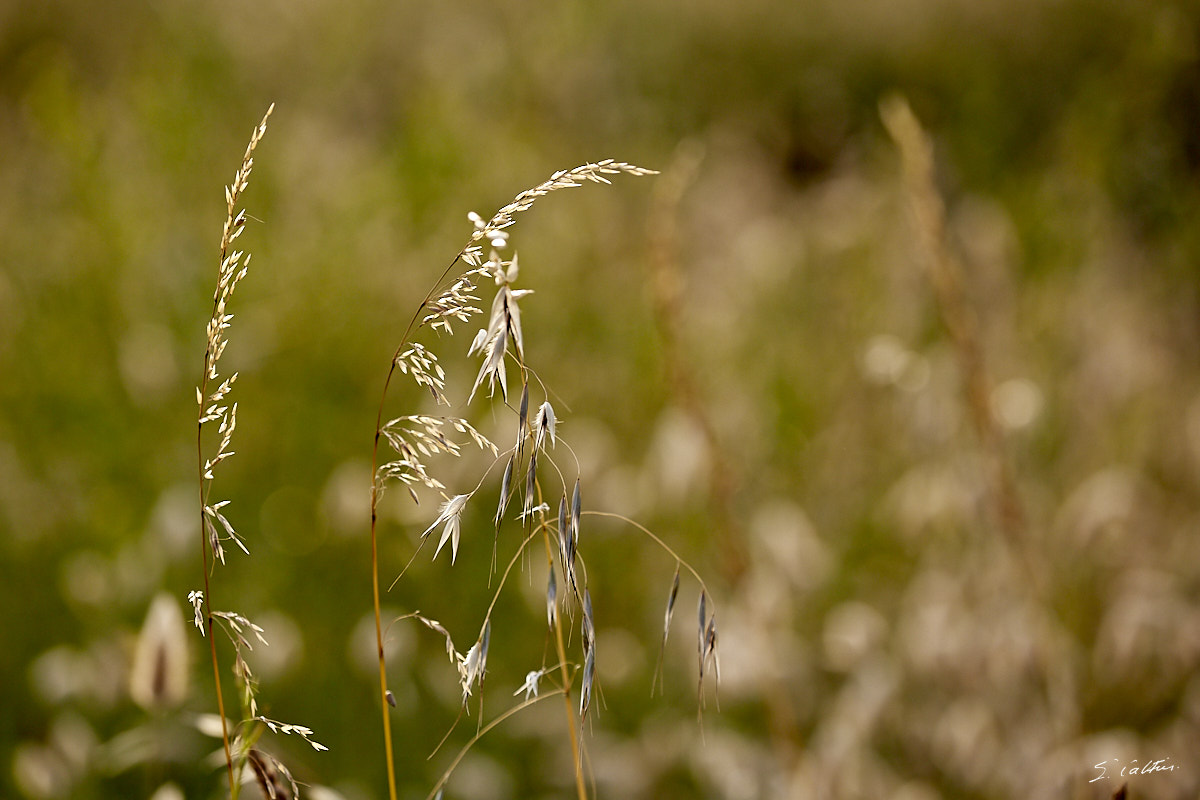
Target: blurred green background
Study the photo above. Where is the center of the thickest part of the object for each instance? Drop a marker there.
(744, 352)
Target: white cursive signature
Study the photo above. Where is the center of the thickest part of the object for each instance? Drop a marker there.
(1133, 767)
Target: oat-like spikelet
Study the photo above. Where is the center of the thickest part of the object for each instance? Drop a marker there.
(674, 593)
(530, 486)
(473, 665)
(456, 303)
(530, 686)
(211, 513)
(566, 547)
(706, 646)
(408, 471)
(504, 328)
(543, 426)
(710, 647)
(588, 624)
(289, 729)
(450, 514)
(422, 365)
(670, 605)
(196, 599)
(417, 436)
(505, 484)
(427, 435)
(551, 598)
(576, 510)
(585, 686)
(523, 417)
(589, 657)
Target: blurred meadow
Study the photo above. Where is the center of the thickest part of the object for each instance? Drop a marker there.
(923, 591)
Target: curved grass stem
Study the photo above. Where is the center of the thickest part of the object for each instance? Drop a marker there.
(383, 690)
(466, 748)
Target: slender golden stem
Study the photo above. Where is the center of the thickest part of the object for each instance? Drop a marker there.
(208, 622)
(580, 789)
(383, 690)
(384, 705)
(205, 547)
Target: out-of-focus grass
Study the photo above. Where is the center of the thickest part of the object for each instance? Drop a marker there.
(876, 636)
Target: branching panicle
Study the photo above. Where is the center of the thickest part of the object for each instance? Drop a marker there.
(500, 346)
(216, 528)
